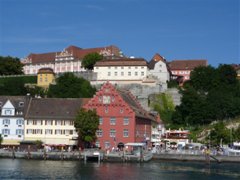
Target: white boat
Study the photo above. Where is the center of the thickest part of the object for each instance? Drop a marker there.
(234, 150)
(137, 152)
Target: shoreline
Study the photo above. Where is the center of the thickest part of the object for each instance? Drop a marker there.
(76, 156)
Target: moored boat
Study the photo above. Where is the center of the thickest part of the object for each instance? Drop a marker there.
(234, 150)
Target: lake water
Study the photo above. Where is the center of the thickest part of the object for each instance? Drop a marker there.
(35, 169)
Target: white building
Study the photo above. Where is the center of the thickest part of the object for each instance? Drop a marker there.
(68, 60)
(12, 109)
(159, 69)
(51, 120)
(122, 71)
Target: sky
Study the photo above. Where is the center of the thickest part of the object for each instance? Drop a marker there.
(176, 29)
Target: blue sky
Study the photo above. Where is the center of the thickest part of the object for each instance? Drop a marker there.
(176, 29)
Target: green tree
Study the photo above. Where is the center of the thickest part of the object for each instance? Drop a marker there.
(10, 66)
(36, 91)
(236, 134)
(211, 94)
(86, 124)
(207, 80)
(89, 60)
(70, 86)
(13, 87)
(163, 104)
(219, 133)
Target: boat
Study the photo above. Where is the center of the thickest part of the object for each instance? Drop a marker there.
(137, 152)
(234, 150)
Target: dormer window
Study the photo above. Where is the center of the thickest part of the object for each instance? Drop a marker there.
(8, 112)
(21, 104)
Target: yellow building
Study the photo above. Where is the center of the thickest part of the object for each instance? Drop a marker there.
(45, 77)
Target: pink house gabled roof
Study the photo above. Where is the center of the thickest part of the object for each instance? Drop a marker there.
(186, 64)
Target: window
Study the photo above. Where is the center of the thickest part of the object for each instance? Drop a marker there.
(115, 67)
(20, 122)
(6, 121)
(125, 133)
(8, 112)
(39, 122)
(112, 121)
(19, 131)
(48, 122)
(109, 73)
(129, 73)
(5, 131)
(122, 73)
(136, 67)
(112, 133)
(58, 122)
(30, 122)
(21, 104)
(48, 131)
(136, 73)
(122, 67)
(29, 131)
(142, 73)
(67, 123)
(109, 67)
(125, 121)
(100, 120)
(106, 109)
(107, 144)
(129, 67)
(115, 73)
(99, 133)
(58, 131)
(97, 144)
(67, 131)
(121, 110)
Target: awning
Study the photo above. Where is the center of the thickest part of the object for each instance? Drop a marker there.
(10, 142)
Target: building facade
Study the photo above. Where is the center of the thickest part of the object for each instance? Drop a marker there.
(45, 77)
(183, 68)
(123, 70)
(12, 109)
(68, 60)
(51, 120)
(158, 68)
(122, 119)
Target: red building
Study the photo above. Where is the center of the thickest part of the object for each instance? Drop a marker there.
(122, 119)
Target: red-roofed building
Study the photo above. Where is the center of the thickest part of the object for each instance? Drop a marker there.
(68, 60)
(122, 118)
(183, 68)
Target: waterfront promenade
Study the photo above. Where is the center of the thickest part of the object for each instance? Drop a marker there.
(183, 155)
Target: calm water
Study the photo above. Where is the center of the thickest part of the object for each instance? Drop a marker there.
(33, 169)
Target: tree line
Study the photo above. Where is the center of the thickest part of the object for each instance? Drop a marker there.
(211, 94)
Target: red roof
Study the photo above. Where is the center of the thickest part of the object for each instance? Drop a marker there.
(78, 53)
(186, 64)
(123, 62)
